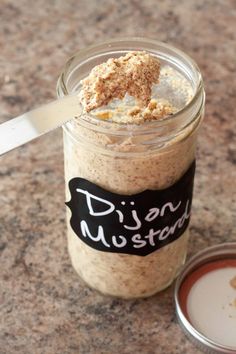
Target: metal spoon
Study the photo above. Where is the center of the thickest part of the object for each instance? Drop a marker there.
(32, 124)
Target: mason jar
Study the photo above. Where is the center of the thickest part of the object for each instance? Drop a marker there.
(129, 186)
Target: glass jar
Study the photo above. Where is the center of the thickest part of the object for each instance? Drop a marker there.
(129, 161)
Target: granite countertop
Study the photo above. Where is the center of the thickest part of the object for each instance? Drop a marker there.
(45, 308)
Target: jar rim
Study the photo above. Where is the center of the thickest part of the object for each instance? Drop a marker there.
(124, 45)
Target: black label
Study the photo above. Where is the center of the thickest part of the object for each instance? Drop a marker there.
(133, 224)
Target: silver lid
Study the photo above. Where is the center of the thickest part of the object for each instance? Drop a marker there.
(205, 299)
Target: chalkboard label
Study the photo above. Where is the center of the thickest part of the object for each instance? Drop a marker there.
(135, 224)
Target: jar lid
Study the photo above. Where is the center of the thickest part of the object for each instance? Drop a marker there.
(205, 298)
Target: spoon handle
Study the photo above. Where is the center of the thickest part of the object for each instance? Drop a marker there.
(30, 125)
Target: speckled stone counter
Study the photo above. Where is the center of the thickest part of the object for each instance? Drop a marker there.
(45, 308)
